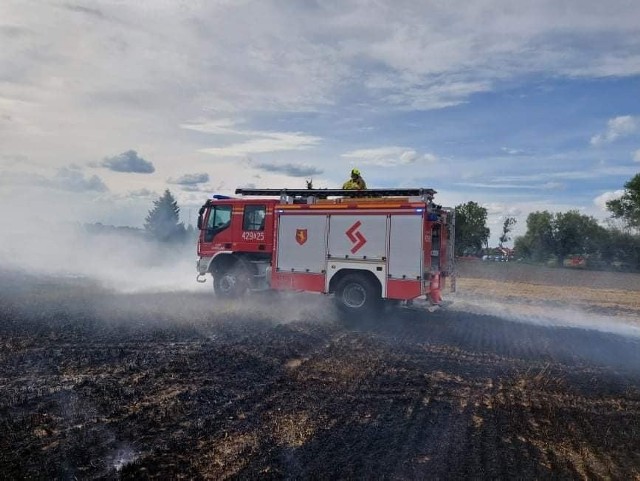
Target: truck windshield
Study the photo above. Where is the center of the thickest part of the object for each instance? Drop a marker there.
(219, 219)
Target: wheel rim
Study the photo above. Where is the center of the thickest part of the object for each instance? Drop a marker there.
(227, 283)
(354, 296)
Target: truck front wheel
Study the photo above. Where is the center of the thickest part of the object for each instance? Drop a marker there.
(232, 282)
(357, 294)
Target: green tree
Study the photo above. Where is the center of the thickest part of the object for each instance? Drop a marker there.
(163, 221)
(538, 242)
(621, 250)
(507, 227)
(559, 235)
(576, 233)
(627, 207)
(472, 232)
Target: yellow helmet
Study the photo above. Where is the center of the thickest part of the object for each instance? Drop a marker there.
(355, 172)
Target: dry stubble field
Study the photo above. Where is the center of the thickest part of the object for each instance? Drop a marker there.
(532, 374)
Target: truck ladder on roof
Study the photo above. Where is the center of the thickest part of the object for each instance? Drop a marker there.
(427, 194)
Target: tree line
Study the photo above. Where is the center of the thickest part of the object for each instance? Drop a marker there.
(549, 236)
(556, 236)
(162, 224)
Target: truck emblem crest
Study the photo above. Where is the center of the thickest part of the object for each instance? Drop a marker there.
(356, 237)
(301, 236)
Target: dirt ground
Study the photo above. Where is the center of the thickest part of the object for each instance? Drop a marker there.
(614, 295)
(531, 374)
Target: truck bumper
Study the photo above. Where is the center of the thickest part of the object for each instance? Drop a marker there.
(202, 265)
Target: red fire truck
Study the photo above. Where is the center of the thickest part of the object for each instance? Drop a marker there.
(362, 247)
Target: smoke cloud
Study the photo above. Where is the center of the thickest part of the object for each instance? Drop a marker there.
(122, 259)
(119, 272)
(550, 316)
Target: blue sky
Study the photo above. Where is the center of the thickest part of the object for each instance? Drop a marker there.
(519, 106)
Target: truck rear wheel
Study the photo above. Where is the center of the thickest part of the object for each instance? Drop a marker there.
(232, 282)
(357, 294)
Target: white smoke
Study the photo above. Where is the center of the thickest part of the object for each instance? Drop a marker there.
(43, 243)
(550, 316)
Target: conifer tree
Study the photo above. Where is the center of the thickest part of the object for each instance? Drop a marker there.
(163, 221)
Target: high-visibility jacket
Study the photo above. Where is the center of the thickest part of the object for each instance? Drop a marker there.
(357, 184)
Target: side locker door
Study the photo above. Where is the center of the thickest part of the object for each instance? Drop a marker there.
(405, 247)
(358, 237)
(302, 243)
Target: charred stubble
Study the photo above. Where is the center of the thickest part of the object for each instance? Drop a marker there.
(97, 384)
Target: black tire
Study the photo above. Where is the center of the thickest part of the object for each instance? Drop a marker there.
(231, 283)
(357, 295)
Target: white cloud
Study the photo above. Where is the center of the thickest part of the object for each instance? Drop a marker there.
(217, 126)
(511, 151)
(636, 156)
(258, 56)
(553, 186)
(273, 142)
(261, 142)
(602, 199)
(502, 210)
(83, 79)
(487, 185)
(190, 179)
(293, 170)
(617, 127)
(74, 180)
(498, 185)
(64, 179)
(142, 193)
(582, 174)
(388, 156)
(420, 93)
(13, 159)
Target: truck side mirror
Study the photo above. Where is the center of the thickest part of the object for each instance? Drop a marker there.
(200, 216)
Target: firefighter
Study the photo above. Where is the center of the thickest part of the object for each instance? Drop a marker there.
(356, 182)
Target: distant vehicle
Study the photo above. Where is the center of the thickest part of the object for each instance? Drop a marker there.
(575, 261)
(495, 258)
(362, 247)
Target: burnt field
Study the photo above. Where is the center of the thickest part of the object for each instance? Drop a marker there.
(100, 384)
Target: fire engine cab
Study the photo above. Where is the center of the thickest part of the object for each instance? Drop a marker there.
(361, 246)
